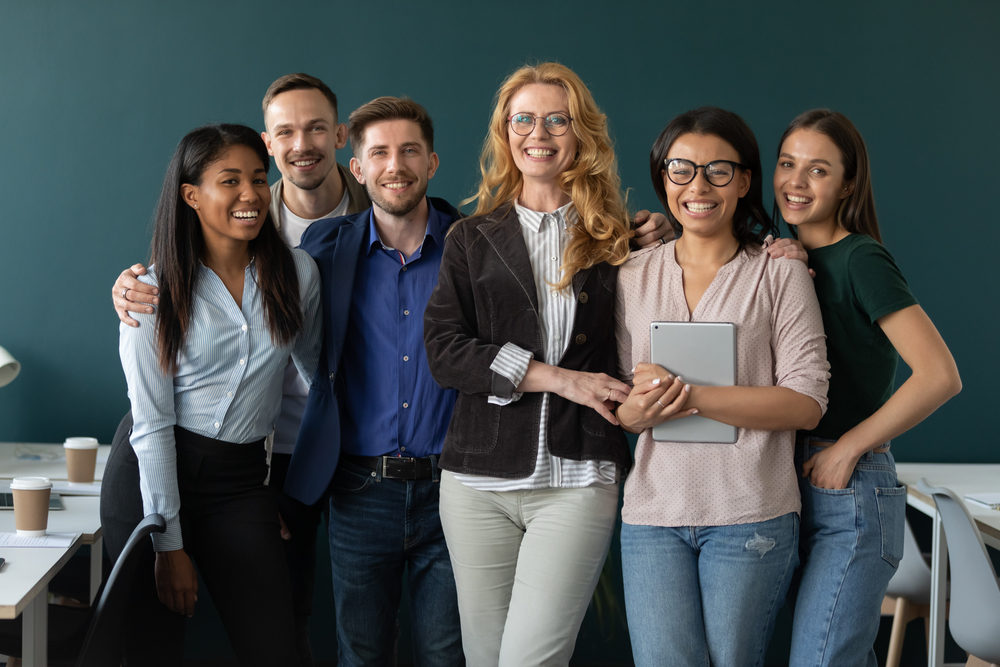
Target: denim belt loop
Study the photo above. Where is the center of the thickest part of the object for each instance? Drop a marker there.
(435, 470)
(377, 474)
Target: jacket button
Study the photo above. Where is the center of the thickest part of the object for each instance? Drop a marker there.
(581, 339)
(583, 297)
(332, 375)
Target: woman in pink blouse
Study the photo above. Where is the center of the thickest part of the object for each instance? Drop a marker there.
(710, 535)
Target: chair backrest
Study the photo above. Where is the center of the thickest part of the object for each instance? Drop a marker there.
(104, 641)
(913, 576)
(975, 593)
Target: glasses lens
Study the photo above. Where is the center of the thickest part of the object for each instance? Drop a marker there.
(522, 123)
(556, 124)
(680, 172)
(719, 173)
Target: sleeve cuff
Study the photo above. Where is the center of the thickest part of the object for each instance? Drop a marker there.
(509, 368)
(169, 540)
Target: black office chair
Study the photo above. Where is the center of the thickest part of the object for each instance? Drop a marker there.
(102, 644)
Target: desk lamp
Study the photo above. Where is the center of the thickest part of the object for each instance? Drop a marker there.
(9, 368)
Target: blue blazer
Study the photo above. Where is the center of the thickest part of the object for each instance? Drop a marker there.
(336, 244)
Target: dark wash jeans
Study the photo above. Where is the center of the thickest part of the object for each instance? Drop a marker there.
(378, 528)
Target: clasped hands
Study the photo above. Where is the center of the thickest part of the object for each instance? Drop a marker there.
(657, 396)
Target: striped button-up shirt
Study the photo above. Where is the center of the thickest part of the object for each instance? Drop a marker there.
(546, 237)
(227, 385)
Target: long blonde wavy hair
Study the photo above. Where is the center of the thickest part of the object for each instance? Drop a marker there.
(592, 181)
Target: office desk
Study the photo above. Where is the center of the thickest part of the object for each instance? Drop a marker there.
(82, 513)
(24, 588)
(962, 478)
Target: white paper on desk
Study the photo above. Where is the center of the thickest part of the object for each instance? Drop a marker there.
(76, 488)
(47, 453)
(991, 500)
(60, 540)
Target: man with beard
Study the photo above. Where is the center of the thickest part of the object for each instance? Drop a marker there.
(374, 389)
(303, 134)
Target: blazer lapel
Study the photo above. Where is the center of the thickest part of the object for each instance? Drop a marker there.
(337, 290)
(504, 234)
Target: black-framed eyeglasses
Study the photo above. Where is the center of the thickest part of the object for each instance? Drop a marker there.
(717, 172)
(556, 124)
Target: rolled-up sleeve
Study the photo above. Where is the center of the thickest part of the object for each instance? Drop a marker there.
(797, 335)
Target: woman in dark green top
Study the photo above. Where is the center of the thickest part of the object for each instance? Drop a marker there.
(853, 507)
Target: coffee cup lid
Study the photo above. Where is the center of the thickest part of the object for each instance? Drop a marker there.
(30, 483)
(80, 443)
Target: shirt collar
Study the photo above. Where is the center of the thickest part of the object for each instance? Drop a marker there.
(564, 215)
(435, 228)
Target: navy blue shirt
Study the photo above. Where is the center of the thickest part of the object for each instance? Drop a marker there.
(392, 404)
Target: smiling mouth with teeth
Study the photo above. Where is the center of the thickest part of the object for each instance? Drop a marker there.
(305, 163)
(698, 208)
(539, 152)
(246, 215)
(396, 185)
(798, 200)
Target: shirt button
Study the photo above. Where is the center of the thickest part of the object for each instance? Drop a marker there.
(406, 405)
(243, 362)
(581, 339)
(332, 375)
(244, 327)
(405, 358)
(216, 424)
(404, 268)
(554, 258)
(402, 449)
(583, 297)
(230, 394)
(406, 312)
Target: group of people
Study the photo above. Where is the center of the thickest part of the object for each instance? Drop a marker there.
(453, 392)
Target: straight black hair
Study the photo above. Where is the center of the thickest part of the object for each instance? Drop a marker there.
(178, 245)
(751, 223)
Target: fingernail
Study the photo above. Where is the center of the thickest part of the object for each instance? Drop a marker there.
(687, 387)
(633, 370)
(670, 378)
(695, 411)
(656, 382)
(680, 379)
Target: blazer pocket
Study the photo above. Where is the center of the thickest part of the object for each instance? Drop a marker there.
(479, 428)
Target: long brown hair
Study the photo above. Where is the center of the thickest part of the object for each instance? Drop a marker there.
(178, 245)
(856, 212)
(592, 181)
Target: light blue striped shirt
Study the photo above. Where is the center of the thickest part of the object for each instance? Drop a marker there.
(228, 380)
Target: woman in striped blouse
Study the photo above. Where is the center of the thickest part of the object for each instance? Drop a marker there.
(204, 379)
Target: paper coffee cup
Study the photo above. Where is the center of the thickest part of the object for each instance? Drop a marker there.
(31, 505)
(81, 459)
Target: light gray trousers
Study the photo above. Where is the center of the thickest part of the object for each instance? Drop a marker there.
(526, 564)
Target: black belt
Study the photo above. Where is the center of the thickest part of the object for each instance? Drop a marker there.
(397, 467)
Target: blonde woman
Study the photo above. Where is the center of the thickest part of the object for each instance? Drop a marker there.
(522, 324)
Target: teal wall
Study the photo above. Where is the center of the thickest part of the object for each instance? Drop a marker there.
(95, 95)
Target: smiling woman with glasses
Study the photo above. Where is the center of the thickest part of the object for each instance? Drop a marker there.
(710, 531)
(521, 325)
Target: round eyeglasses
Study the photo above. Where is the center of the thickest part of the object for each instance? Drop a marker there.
(717, 172)
(555, 124)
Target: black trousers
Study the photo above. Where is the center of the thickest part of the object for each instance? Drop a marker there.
(229, 521)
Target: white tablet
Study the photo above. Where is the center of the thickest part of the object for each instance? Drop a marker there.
(702, 353)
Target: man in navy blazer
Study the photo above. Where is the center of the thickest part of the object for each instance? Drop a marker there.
(375, 420)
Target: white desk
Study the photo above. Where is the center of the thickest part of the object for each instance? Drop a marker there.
(962, 478)
(24, 588)
(82, 513)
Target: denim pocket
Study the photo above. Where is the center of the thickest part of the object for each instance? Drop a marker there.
(351, 478)
(891, 503)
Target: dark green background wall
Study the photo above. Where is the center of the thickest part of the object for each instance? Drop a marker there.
(95, 95)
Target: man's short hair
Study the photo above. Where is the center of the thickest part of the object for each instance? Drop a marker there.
(388, 108)
(299, 81)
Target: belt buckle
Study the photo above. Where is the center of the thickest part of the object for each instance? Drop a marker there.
(397, 467)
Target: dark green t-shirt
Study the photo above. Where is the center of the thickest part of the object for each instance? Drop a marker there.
(857, 282)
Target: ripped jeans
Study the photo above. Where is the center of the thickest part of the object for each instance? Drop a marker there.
(697, 594)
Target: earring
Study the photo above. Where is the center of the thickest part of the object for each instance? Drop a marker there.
(196, 206)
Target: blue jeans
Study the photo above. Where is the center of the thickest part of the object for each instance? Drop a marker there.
(852, 540)
(378, 527)
(700, 595)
